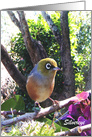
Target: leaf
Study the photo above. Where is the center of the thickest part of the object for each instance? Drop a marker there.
(15, 102)
(49, 122)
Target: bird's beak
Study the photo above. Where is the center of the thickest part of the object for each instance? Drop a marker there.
(57, 68)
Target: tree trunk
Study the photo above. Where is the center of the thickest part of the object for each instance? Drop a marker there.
(68, 74)
(11, 68)
(88, 80)
(64, 42)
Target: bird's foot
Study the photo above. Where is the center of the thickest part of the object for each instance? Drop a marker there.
(55, 102)
(37, 104)
(37, 107)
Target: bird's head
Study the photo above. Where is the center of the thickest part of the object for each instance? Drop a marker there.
(48, 67)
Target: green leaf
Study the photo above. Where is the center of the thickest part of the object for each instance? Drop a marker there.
(49, 122)
(15, 102)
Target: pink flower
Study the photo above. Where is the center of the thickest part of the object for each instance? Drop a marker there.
(21, 59)
(14, 92)
(82, 96)
(24, 69)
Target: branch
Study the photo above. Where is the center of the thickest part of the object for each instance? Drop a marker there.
(74, 131)
(24, 26)
(53, 27)
(41, 113)
(14, 19)
(11, 68)
(5, 113)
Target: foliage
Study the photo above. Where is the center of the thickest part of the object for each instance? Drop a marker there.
(80, 40)
(20, 55)
(57, 127)
(16, 102)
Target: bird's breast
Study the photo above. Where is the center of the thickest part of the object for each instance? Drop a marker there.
(39, 88)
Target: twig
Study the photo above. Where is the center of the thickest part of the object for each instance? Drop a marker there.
(53, 27)
(10, 112)
(74, 131)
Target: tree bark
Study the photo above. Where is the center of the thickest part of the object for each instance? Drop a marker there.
(11, 68)
(64, 42)
(14, 19)
(88, 79)
(68, 74)
(34, 48)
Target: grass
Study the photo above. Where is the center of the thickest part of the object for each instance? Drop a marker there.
(30, 128)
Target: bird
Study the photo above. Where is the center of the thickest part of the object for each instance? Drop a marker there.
(41, 80)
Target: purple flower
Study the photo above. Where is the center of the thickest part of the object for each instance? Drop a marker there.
(85, 119)
(87, 113)
(82, 121)
(66, 116)
(84, 134)
(74, 110)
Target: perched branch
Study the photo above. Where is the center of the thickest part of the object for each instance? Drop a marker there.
(41, 113)
(53, 27)
(74, 131)
(45, 111)
(11, 68)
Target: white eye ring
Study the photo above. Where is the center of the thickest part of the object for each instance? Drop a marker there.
(48, 66)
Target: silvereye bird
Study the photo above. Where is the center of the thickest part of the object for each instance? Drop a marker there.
(41, 80)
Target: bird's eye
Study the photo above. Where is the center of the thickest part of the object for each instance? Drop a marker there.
(48, 66)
